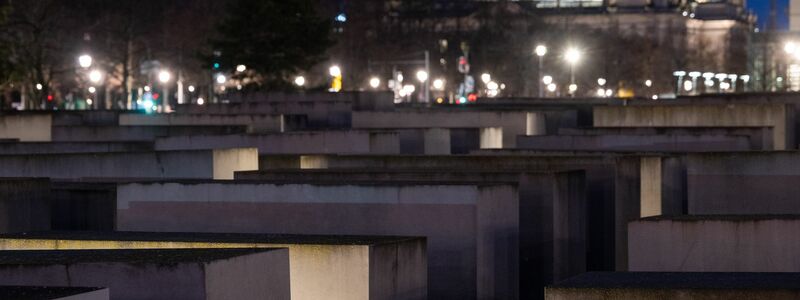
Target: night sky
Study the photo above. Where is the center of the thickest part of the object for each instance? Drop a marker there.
(761, 8)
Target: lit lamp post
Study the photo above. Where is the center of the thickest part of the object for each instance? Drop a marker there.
(422, 76)
(164, 77)
(95, 77)
(694, 75)
(572, 57)
(336, 83)
(746, 80)
(85, 61)
(680, 75)
(541, 51)
(375, 83)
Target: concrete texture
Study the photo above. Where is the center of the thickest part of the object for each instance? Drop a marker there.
(743, 183)
(53, 293)
(200, 164)
(781, 117)
(72, 147)
(312, 142)
(254, 123)
(26, 127)
(321, 267)
(135, 133)
(79, 206)
(715, 244)
(472, 231)
(612, 189)
(156, 274)
(512, 123)
(24, 205)
(319, 114)
(760, 137)
(673, 143)
(552, 214)
(690, 286)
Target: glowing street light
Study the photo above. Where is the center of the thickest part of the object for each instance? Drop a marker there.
(221, 79)
(552, 87)
(572, 56)
(680, 75)
(191, 89)
(85, 61)
(95, 76)
(547, 79)
(39, 86)
(164, 76)
(438, 84)
(335, 71)
(422, 76)
(241, 68)
(790, 47)
(92, 89)
(573, 88)
(486, 77)
(601, 81)
(375, 82)
(648, 83)
(300, 81)
(541, 51)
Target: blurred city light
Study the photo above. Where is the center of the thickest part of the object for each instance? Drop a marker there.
(573, 88)
(95, 76)
(541, 50)
(648, 83)
(300, 81)
(201, 101)
(601, 81)
(486, 77)
(572, 56)
(191, 89)
(241, 68)
(39, 86)
(164, 76)
(221, 79)
(547, 79)
(375, 82)
(335, 71)
(92, 90)
(551, 87)
(422, 76)
(85, 61)
(438, 84)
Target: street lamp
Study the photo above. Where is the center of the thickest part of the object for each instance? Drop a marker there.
(164, 77)
(300, 81)
(241, 68)
(221, 79)
(547, 79)
(485, 77)
(375, 82)
(95, 76)
(680, 75)
(601, 81)
(422, 76)
(572, 56)
(541, 51)
(438, 84)
(694, 75)
(85, 61)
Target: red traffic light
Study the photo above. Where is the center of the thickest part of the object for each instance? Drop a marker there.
(49, 98)
(472, 97)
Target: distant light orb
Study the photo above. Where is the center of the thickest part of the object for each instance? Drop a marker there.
(438, 84)
(300, 81)
(92, 89)
(547, 79)
(486, 77)
(422, 75)
(492, 85)
(648, 83)
(221, 79)
(655, 97)
(148, 104)
(609, 93)
(39, 86)
(573, 88)
(601, 92)
(85, 61)
(375, 82)
(601, 81)
(541, 50)
(200, 101)
(552, 87)
(89, 101)
(335, 71)
(191, 89)
(241, 68)
(95, 76)
(341, 18)
(146, 88)
(572, 56)
(164, 76)
(688, 85)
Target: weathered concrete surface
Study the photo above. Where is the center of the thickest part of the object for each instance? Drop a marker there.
(53, 293)
(72, 147)
(321, 267)
(743, 183)
(362, 100)
(552, 214)
(254, 123)
(26, 127)
(613, 185)
(202, 274)
(320, 114)
(24, 205)
(715, 244)
(512, 123)
(781, 117)
(135, 133)
(689, 286)
(472, 231)
(200, 164)
(672, 143)
(313, 142)
(760, 137)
